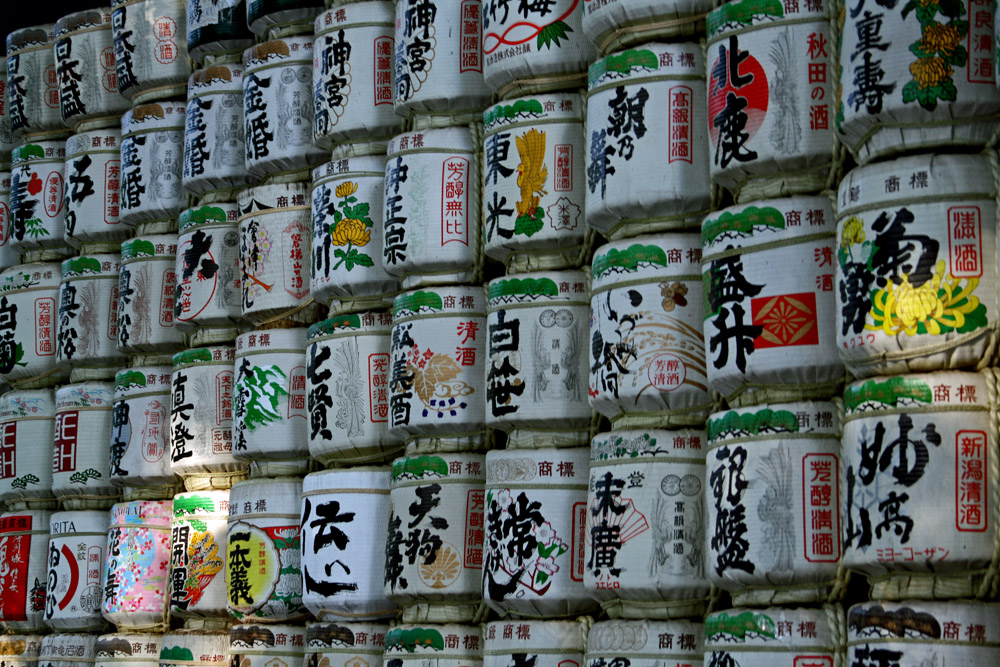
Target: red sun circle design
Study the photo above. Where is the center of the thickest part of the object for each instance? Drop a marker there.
(755, 93)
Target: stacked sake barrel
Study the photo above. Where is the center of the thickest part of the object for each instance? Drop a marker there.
(916, 299)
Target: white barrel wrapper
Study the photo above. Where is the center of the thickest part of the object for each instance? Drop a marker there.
(447, 645)
(208, 267)
(913, 81)
(539, 643)
(438, 364)
(140, 429)
(8, 256)
(146, 284)
(75, 565)
(917, 263)
(27, 419)
(262, 645)
(347, 264)
(152, 161)
(343, 552)
(33, 289)
(37, 195)
(533, 201)
(775, 637)
(128, 650)
(67, 650)
(347, 389)
(277, 106)
(201, 418)
(213, 131)
(613, 24)
(93, 180)
(645, 643)
(352, 644)
(431, 215)
(194, 648)
(536, 382)
(352, 74)
(646, 523)
(88, 314)
(918, 481)
(32, 83)
(198, 537)
(647, 350)
(647, 170)
(263, 560)
(24, 537)
(80, 456)
(214, 27)
(85, 67)
(439, 60)
(22, 650)
(770, 98)
(441, 579)
(150, 47)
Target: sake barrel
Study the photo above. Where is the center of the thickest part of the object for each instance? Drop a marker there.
(915, 81)
(7, 141)
(614, 24)
(277, 106)
(352, 74)
(207, 271)
(137, 579)
(647, 350)
(37, 196)
(630, 189)
(343, 558)
(441, 579)
(198, 537)
(75, 565)
(532, 221)
(432, 214)
(275, 243)
(907, 301)
(201, 419)
(32, 83)
(535, 47)
(446, 645)
(213, 131)
(88, 316)
(546, 643)
(24, 537)
(85, 67)
(263, 573)
(436, 396)
(345, 644)
(27, 417)
(535, 383)
(152, 161)
(80, 461)
(140, 430)
(438, 61)
(128, 650)
(146, 284)
(919, 446)
(151, 59)
(348, 270)
(22, 650)
(93, 177)
(214, 28)
(270, 422)
(536, 514)
(772, 476)
(194, 648)
(910, 634)
(646, 525)
(67, 650)
(32, 290)
(265, 16)
(771, 85)
(645, 643)
(8, 256)
(348, 365)
(773, 636)
(260, 645)
(765, 343)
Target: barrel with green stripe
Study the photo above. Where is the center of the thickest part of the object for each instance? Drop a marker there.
(147, 283)
(93, 174)
(775, 637)
(152, 161)
(198, 538)
(547, 643)
(87, 340)
(140, 432)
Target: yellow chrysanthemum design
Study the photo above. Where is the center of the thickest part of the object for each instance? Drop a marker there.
(939, 302)
(346, 189)
(930, 72)
(943, 39)
(351, 230)
(853, 232)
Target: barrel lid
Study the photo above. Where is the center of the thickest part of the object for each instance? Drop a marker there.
(367, 323)
(646, 639)
(136, 647)
(736, 17)
(444, 140)
(179, 648)
(204, 355)
(263, 639)
(561, 636)
(223, 76)
(765, 422)
(554, 468)
(25, 521)
(34, 35)
(93, 265)
(209, 214)
(26, 276)
(107, 139)
(567, 107)
(272, 196)
(38, 150)
(141, 378)
(79, 521)
(639, 444)
(767, 221)
(278, 340)
(335, 636)
(540, 289)
(440, 301)
(346, 480)
(648, 61)
(776, 629)
(408, 470)
(289, 49)
(87, 18)
(348, 167)
(347, 14)
(944, 390)
(167, 115)
(69, 647)
(646, 257)
(84, 395)
(955, 623)
(22, 646)
(159, 246)
(21, 403)
(265, 495)
(201, 504)
(411, 642)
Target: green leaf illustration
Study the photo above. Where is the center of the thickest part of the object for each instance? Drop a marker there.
(529, 224)
(552, 33)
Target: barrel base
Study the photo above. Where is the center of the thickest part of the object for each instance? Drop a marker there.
(212, 625)
(213, 336)
(366, 146)
(549, 259)
(31, 255)
(130, 493)
(771, 186)
(90, 374)
(442, 612)
(168, 91)
(208, 481)
(542, 84)
(545, 610)
(808, 594)
(658, 609)
(693, 417)
(97, 501)
(160, 226)
(47, 379)
(969, 352)
(969, 585)
(412, 281)
(469, 442)
(543, 438)
(657, 29)
(280, 467)
(358, 456)
(361, 304)
(679, 222)
(888, 139)
(22, 504)
(758, 394)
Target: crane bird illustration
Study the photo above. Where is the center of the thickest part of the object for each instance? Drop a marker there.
(531, 172)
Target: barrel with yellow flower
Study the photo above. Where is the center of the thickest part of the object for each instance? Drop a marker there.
(916, 265)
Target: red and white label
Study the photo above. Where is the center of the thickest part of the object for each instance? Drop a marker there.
(470, 53)
(112, 185)
(965, 244)
(297, 392)
(971, 483)
(813, 661)
(578, 549)
(291, 246)
(384, 47)
(679, 123)
(64, 445)
(666, 372)
(53, 201)
(820, 504)
(8, 451)
(378, 387)
(224, 398)
(44, 338)
(454, 201)
(563, 181)
(475, 507)
(16, 554)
